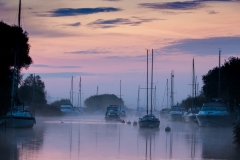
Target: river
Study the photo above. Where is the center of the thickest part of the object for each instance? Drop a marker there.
(90, 137)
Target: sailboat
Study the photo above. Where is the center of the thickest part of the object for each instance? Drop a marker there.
(177, 111)
(68, 108)
(17, 116)
(215, 112)
(121, 109)
(164, 111)
(190, 115)
(149, 120)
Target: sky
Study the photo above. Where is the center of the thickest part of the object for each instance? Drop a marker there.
(106, 41)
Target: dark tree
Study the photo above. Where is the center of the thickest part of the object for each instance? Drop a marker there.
(103, 101)
(13, 40)
(32, 91)
(191, 102)
(230, 86)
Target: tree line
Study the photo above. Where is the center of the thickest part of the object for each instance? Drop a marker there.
(229, 85)
(101, 102)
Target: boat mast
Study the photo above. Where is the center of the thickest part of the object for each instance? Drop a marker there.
(219, 80)
(120, 95)
(167, 93)
(172, 98)
(195, 87)
(193, 81)
(72, 90)
(155, 98)
(138, 98)
(19, 14)
(14, 85)
(151, 81)
(80, 92)
(147, 81)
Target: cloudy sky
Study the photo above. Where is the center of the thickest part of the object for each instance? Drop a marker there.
(105, 41)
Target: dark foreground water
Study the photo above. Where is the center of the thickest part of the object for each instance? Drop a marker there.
(91, 138)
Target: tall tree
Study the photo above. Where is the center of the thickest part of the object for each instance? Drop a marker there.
(32, 91)
(230, 86)
(13, 40)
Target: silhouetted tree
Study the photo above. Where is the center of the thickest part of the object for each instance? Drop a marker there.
(103, 101)
(13, 40)
(230, 78)
(32, 91)
(196, 101)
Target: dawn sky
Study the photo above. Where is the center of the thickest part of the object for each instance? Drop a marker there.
(105, 41)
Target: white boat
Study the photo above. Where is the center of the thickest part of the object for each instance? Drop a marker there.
(176, 113)
(214, 113)
(17, 116)
(190, 115)
(149, 120)
(68, 109)
(112, 113)
(164, 111)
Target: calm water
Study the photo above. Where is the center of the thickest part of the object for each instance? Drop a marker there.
(91, 138)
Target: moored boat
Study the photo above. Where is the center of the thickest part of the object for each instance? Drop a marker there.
(190, 116)
(17, 116)
(112, 113)
(149, 120)
(214, 113)
(176, 113)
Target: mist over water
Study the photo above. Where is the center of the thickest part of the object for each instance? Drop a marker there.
(91, 137)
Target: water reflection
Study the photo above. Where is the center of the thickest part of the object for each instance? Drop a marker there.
(217, 143)
(75, 138)
(20, 144)
(168, 149)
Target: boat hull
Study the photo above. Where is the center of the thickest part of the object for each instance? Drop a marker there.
(148, 124)
(214, 120)
(18, 122)
(189, 117)
(112, 118)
